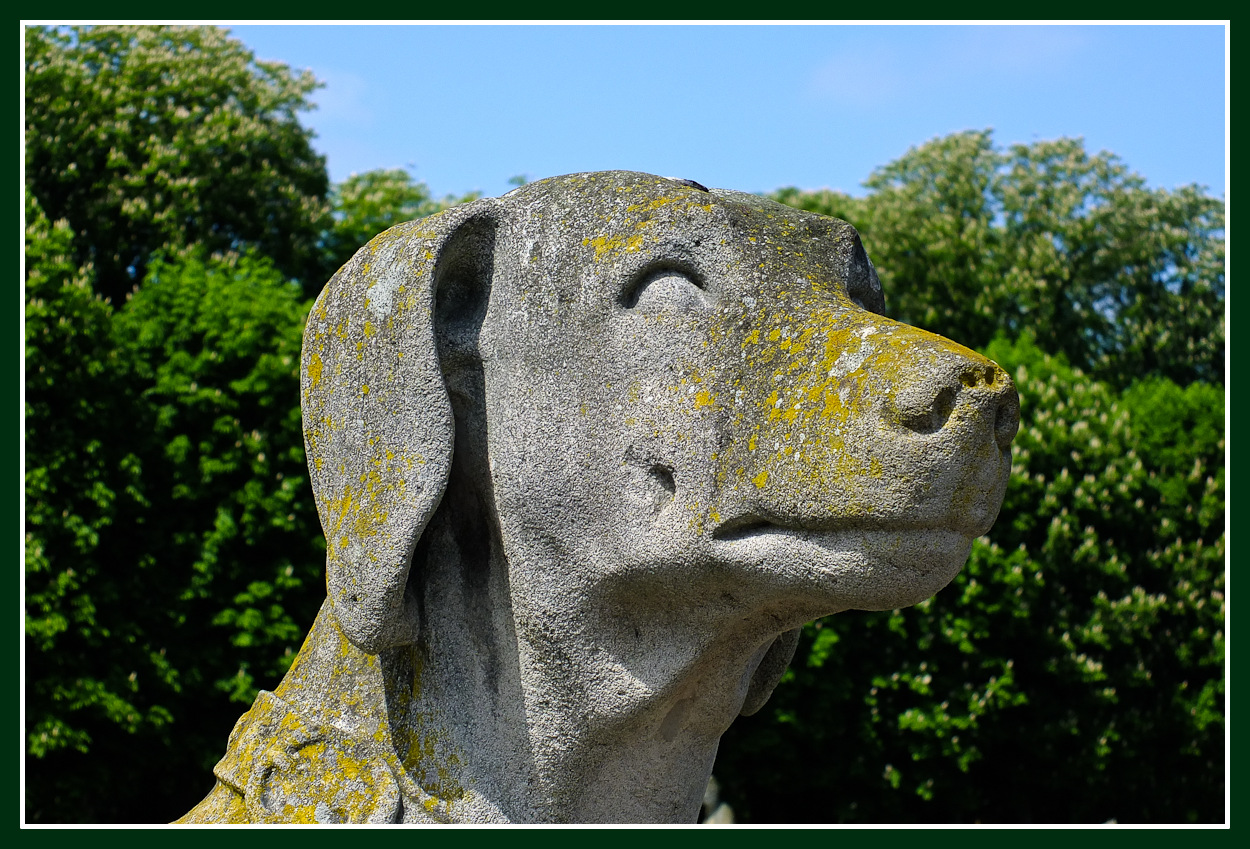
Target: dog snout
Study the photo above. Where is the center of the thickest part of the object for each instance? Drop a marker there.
(850, 419)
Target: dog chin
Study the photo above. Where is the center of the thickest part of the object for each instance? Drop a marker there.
(857, 568)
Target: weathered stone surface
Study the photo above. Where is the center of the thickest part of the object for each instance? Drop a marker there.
(586, 456)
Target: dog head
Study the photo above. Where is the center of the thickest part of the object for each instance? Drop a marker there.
(672, 393)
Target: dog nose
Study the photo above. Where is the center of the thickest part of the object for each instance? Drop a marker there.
(1007, 416)
(956, 391)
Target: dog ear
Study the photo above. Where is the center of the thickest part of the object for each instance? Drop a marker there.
(378, 423)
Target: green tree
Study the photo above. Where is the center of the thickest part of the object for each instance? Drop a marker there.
(77, 480)
(173, 549)
(971, 241)
(174, 557)
(144, 138)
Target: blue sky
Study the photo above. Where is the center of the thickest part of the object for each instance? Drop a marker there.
(749, 107)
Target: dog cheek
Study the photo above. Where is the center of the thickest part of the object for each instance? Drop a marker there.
(558, 473)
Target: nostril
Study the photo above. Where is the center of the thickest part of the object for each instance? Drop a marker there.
(1007, 419)
(973, 376)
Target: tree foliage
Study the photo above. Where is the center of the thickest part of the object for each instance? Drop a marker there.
(174, 556)
(172, 548)
(77, 480)
(971, 241)
(144, 138)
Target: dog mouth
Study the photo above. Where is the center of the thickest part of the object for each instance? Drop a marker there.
(748, 527)
(865, 565)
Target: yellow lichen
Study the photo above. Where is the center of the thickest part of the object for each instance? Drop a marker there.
(314, 370)
(608, 244)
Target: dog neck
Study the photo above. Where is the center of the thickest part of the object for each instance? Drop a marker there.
(504, 721)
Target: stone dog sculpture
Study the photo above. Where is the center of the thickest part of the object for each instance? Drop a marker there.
(586, 456)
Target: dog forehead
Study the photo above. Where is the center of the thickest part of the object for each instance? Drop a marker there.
(623, 210)
(581, 236)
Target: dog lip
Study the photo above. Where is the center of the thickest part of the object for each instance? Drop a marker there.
(745, 527)
(741, 527)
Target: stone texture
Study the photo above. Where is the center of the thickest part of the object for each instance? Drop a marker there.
(586, 456)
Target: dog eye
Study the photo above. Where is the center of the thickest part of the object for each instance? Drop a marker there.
(863, 285)
(663, 288)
